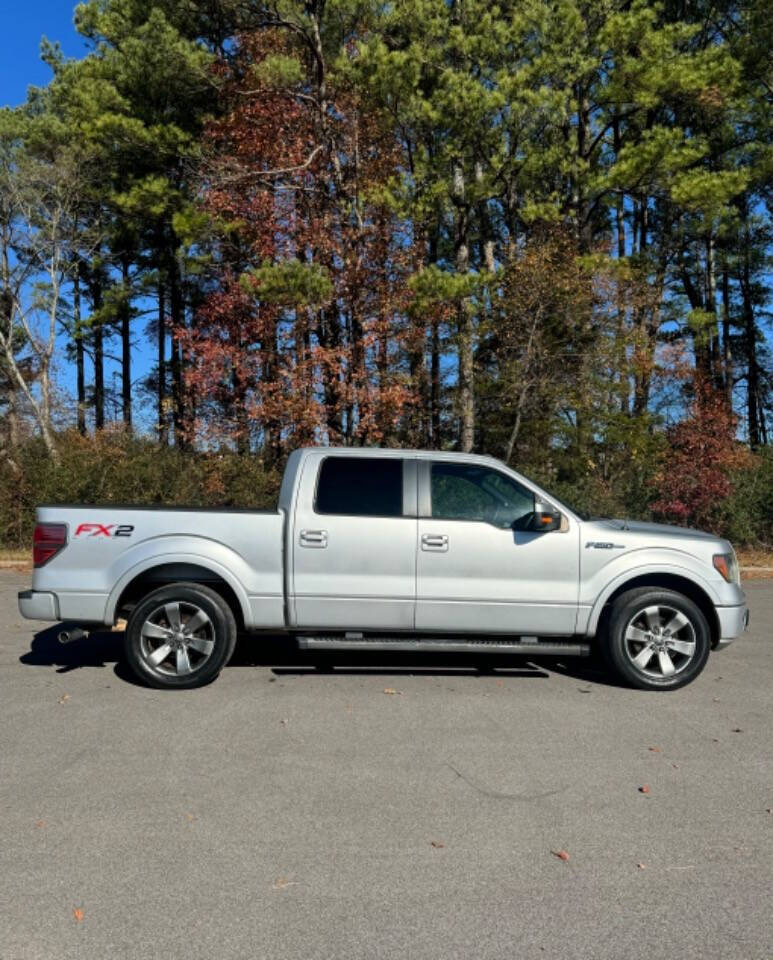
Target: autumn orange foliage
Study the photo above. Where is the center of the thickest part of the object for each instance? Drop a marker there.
(704, 451)
(295, 183)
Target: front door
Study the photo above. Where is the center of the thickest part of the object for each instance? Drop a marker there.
(354, 543)
(475, 571)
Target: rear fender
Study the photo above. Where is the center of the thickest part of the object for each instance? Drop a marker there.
(214, 557)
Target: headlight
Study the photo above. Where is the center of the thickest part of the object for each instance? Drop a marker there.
(727, 565)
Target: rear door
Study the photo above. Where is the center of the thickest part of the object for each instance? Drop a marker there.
(475, 572)
(354, 543)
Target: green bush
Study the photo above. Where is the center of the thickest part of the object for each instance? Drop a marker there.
(116, 467)
(746, 516)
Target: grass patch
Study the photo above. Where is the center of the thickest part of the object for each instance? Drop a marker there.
(16, 556)
(756, 563)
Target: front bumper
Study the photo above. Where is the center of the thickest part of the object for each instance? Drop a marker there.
(35, 605)
(733, 621)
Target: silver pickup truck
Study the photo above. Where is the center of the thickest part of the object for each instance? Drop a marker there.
(389, 549)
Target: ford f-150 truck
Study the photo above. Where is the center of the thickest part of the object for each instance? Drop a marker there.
(373, 549)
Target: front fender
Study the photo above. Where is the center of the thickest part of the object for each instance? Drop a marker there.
(676, 564)
(208, 554)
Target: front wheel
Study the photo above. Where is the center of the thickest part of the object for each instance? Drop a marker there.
(180, 636)
(656, 639)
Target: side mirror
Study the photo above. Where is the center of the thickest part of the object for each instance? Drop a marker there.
(542, 519)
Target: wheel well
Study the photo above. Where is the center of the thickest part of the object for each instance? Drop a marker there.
(149, 580)
(670, 582)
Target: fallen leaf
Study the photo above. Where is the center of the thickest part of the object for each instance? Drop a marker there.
(769, 810)
(283, 882)
(499, 682)
(644, 789)
(642, 866)
(715, 739)
(40, 824)
(391, 691)
(78, 914)
(64, 698)
(737, 730)
(715, 700)
(437, 844)
(120, 626)
(284, 722)
(584, 689)
(561, 854)
(654, 749)
(675, 766)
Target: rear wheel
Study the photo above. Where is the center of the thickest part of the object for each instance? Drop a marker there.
(180, 636)
(656, 639)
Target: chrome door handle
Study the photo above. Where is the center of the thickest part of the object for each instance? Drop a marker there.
(434, 541)
(313, 538)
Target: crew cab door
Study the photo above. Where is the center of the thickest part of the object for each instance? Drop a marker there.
(475, 572)
(353, 555)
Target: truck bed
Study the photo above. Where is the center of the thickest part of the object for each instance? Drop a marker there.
(109, 546)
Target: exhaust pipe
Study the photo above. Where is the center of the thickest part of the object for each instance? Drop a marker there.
(70, 636)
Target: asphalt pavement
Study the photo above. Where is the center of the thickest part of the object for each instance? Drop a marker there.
(383, 807)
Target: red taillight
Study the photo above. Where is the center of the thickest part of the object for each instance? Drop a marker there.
(47, 541)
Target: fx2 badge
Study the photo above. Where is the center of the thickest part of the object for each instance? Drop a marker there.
(104, 530)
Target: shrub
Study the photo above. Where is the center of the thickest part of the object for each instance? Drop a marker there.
(697, 476)
(117, 467)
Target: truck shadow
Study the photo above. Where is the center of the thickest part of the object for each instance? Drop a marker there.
(97, 650)
(104, 649)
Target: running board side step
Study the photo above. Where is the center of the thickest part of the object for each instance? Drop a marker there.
(534, 648)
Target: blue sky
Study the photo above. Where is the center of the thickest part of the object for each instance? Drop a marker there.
(25, 23)
(21, 67)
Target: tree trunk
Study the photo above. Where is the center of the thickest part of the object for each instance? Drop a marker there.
(525, 386)
(580, 198)
(176, 317)
(12, 418)
(750, 348)
(163, 429)
(126, 347)
(329, 338)
(80, 371)
(623, 384)
(727, 366)
(642, 376)
(434, 390)
(433, 415)
(486, 233)
(99, 357)
(466, 345)
(711, 307)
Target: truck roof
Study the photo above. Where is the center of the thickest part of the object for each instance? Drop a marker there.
(400, 452)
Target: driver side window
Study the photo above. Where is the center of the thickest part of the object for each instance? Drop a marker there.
(466, 491)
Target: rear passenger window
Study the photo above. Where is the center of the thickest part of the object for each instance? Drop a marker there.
(360, 486)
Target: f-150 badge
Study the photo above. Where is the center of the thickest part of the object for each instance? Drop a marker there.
(602, 545)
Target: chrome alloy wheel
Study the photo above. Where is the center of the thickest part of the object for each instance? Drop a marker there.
(660, 641)
(177, 639)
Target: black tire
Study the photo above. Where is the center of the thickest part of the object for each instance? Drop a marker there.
(195, 656)
(653, 657)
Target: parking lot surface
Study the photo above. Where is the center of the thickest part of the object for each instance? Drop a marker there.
(384, 807)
